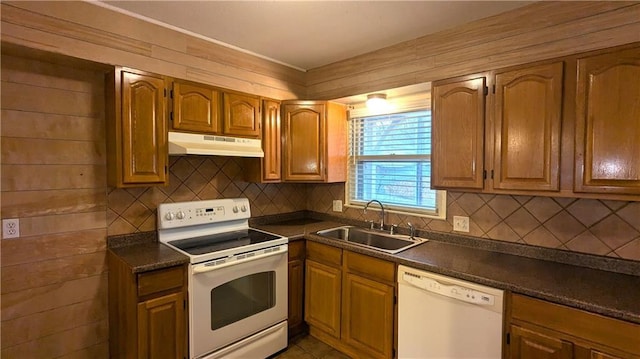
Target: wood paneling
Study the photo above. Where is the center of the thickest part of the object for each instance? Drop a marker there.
(535, 32)
(60, 343)
(53, 278)
(101, 35)
(31, 327)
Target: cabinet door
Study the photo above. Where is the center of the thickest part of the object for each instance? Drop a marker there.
(367, 316)
(144, 134)
(608, 123)
(528, 114)
(303, 146)
(271, 142)
(161, 325)
(196, 108)
(322, 297)
(296, 294)
(241, 115)
(458, 134)
(529, 344)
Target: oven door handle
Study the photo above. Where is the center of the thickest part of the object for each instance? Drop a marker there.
(203, 268)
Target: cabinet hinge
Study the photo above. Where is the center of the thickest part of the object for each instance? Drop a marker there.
(486, 90)
(171, 93)
(184, 304)
(491, 174)
(494, 88)
(393, 352)
(508, 338)
(166, 169)
(395, 299)
(484, 174)
(165, 92)
(171, 116)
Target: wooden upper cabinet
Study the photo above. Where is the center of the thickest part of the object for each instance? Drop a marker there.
(241, 115)
(136, 128)
(607, 141)
(314, 141)
(196, 108)
(271, 141)
(458, 133)
(527, 123)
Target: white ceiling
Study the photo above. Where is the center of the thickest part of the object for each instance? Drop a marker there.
(310, 34)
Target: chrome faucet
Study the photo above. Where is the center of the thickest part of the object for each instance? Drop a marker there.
(412, 229)
(381, 211)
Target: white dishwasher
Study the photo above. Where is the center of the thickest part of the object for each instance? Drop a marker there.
(442, 317)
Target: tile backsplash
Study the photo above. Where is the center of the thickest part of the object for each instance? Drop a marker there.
(601, 227)
(198, 178)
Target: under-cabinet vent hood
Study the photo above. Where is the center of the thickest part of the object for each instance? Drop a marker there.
(198, 144)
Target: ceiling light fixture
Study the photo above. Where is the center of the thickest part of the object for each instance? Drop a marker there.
(377, 102)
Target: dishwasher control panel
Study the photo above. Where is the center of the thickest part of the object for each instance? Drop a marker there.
(449, 290)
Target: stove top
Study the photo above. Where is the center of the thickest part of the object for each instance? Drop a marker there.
(222, 241)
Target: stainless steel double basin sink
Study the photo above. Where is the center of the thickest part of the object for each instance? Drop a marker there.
(390, 243)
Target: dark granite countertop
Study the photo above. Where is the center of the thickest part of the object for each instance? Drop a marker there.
(600, 291)
(143, 253)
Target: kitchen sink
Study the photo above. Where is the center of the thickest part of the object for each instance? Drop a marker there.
(390, 243)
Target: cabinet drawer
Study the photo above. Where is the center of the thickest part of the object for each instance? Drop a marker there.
(324, 254)
(577, 323)
(296, 250)
(371, 267)
(160, 280)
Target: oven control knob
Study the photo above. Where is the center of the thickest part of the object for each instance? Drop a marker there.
(169, 216)
(235, 209)
(243, 208)
(180, 215)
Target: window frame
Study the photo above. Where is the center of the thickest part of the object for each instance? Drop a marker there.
(418, 102)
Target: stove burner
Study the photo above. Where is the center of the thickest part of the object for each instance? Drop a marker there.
(221, 241)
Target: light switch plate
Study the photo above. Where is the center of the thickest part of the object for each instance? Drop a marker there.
(337, 205)
(461, 224)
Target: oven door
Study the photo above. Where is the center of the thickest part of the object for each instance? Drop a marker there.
(231, 301)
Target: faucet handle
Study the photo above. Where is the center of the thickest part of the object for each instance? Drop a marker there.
(392, 229)
(412, 229)
(370, 221)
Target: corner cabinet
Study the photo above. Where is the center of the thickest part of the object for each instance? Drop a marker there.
(539, 330)
(147, 311)
(136, 128)
(314, 147)
(350, 301)
(196, 108)
(608, 123)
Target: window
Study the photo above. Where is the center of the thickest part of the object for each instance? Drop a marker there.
(390, 160)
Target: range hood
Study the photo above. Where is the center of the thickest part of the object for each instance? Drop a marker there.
(197, 144)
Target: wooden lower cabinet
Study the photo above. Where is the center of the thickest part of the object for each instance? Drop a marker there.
(367, 316)
(322, 300)
(350, 301)
(147, 311)
(540, 330)
(160, 322)
(296, 288)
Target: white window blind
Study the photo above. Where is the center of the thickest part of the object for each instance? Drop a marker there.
(390, 160)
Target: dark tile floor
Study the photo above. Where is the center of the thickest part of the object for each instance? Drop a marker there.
(308, 347)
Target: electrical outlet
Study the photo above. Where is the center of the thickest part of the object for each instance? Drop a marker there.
(337, 205)
(460, 224)
(11, 228)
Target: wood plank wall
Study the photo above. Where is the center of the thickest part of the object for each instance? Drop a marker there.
(87, 31)
(54, 277)
(535, 32)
